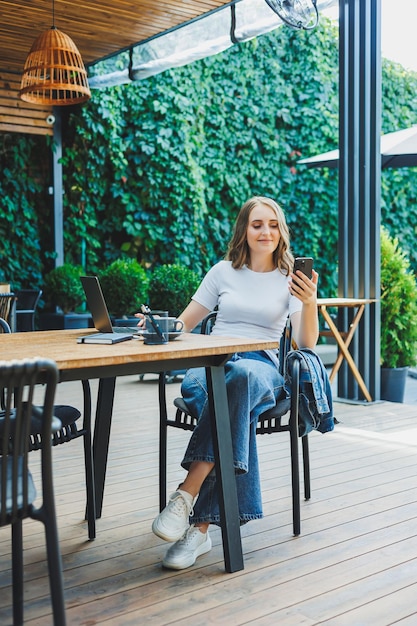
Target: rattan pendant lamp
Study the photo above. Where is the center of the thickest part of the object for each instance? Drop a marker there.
(54, 71)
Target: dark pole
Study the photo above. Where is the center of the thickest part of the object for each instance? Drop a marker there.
(360, 183)
(57, 189)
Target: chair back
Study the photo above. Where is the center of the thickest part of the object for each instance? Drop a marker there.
(27, 299)
(285, 344)
(26, 304)
(18, 380)
(8, 308)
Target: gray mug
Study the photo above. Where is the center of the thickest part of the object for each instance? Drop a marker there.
(174, 325)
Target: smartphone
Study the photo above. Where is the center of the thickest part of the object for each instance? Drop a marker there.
(305, 264)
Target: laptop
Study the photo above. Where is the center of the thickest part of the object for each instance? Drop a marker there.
(99, 311)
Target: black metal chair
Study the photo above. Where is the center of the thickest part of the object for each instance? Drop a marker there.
(26, 304)
(281, 418)
(70, 429)
(17, 489)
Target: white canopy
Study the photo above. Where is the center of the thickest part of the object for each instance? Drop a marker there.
(398, 149)
(209, 35)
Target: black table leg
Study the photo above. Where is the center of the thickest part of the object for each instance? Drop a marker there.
(225, 474)
(101, 439)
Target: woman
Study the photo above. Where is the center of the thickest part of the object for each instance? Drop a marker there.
(255, 291)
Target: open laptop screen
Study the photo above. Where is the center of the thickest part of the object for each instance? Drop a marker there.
(98, 308)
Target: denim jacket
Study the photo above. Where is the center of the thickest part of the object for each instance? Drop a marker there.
(316, 405)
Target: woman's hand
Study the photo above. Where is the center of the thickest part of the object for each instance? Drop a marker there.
(304, 288)
(191, 316)
(305, 322)
(141, 322)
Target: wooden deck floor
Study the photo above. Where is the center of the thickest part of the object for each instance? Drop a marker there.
(355, 562)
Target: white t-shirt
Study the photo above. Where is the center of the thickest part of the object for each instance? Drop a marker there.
(251, 304)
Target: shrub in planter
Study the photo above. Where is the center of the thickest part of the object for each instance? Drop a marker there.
(398, 306)
(125, 287)
(171, 288)
(63, 288)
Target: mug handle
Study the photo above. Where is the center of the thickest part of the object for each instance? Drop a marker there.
(178, 330)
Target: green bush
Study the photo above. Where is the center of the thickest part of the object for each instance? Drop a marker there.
(171, 288)
(398, 306)
(63, 288)
(125, 286)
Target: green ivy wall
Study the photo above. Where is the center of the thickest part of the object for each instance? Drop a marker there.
(159, 169)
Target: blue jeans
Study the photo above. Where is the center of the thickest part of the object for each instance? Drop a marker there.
(254, 384)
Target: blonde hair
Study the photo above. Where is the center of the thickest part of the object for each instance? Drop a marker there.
(238, 250)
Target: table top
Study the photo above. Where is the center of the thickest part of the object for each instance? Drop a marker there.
(340, 302)
(126, 357)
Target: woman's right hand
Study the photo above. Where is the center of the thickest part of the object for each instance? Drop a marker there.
(304, 288)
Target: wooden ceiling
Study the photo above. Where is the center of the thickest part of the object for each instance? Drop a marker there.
(99, 28)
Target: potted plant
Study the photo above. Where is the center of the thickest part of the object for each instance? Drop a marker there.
(64, 296)
(125, 287)
(171, 288)
(398, 318)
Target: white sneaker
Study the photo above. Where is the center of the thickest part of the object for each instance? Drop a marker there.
(173, 521)
(184, 552)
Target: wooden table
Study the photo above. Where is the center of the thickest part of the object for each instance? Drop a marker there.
(106, 362)
(344, 339)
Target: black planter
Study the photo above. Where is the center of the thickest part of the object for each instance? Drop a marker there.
(393, 381)
(59, 321)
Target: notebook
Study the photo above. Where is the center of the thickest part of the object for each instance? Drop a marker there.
(99, 311)
(104, 338)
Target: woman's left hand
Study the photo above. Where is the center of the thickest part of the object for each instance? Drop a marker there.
(304, 288)
(141, 317)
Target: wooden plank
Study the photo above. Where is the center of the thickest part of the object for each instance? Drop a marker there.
(22, 114)
(20, 120)
(31, 130)
(18, 116)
